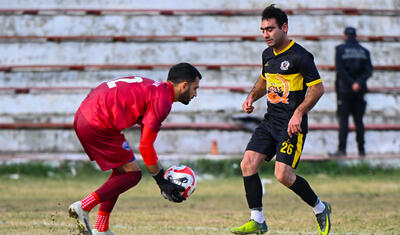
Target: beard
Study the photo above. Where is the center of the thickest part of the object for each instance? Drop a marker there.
(276, 41)
(270, 44)
(184, 98)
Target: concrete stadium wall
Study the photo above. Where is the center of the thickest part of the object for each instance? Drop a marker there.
(184, 4)
(224, 77)
(188, 24)
(59, 106)
(165, 52)
(191, 142)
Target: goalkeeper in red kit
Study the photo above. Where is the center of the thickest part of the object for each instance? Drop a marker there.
(112, 107)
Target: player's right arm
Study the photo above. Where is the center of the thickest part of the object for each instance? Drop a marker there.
(258, 91)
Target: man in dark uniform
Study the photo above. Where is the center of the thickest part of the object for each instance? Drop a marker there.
(353, 68)
(288, 71)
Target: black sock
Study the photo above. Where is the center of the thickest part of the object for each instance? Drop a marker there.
(303, 189)
(253, 188)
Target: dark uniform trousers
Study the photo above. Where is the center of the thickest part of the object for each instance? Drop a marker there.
(351, 103)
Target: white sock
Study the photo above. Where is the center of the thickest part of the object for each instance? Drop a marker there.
(319, 207)
(257, 215)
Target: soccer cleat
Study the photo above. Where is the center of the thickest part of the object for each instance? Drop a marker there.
(324, 220)
(108, 232)
(82, 217)
(251, 227)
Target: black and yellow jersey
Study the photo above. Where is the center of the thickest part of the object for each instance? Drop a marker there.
(288, 74)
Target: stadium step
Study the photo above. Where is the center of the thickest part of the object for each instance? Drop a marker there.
(106, 53)
(179, 138)
(37, 52)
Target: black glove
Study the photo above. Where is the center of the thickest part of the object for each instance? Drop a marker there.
(168, 189)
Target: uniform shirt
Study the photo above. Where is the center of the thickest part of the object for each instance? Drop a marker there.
(353, 64)
(288, 74)
(121, 103)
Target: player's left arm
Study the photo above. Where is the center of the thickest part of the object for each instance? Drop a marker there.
(313, 95)
(157, 111)
(315, 90)
(168, 189)
(146, 149)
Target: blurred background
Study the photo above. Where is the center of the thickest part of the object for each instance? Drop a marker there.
(54, 52)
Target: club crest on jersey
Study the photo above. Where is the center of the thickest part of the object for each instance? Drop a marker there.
(285, 65)
(278, 90)
(156, 83)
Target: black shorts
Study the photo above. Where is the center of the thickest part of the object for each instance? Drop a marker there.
(270, 141)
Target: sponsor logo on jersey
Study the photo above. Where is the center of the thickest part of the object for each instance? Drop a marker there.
(278, 92)
(285, 65)
(156, 83)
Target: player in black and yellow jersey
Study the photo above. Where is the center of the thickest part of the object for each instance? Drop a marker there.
(288, 72)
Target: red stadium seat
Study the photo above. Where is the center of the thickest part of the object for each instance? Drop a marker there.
(224, 12)
(195, 126)
(52, 67)
(240, 89)
(130, 38)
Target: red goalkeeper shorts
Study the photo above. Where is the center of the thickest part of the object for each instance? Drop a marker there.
(108, 148)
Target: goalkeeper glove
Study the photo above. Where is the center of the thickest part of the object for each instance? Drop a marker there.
(169, 190)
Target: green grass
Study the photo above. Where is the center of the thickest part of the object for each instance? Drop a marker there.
(225, 168)
(361, 204)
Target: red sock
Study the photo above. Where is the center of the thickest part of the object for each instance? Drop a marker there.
(102, 220)
(90, 201)
(118, 183)
(108, 206)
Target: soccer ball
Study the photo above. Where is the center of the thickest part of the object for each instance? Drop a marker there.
(184, 176)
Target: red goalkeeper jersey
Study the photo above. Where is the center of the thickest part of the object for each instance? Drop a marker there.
(121, 103)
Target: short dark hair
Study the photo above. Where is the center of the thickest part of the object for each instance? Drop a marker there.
(183, 72)
(277, 13)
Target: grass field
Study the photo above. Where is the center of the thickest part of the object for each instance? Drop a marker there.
(367, 204)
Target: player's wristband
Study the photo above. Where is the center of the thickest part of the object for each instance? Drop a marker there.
(159, 178)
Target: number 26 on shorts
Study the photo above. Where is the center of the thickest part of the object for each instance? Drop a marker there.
(287, 148)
